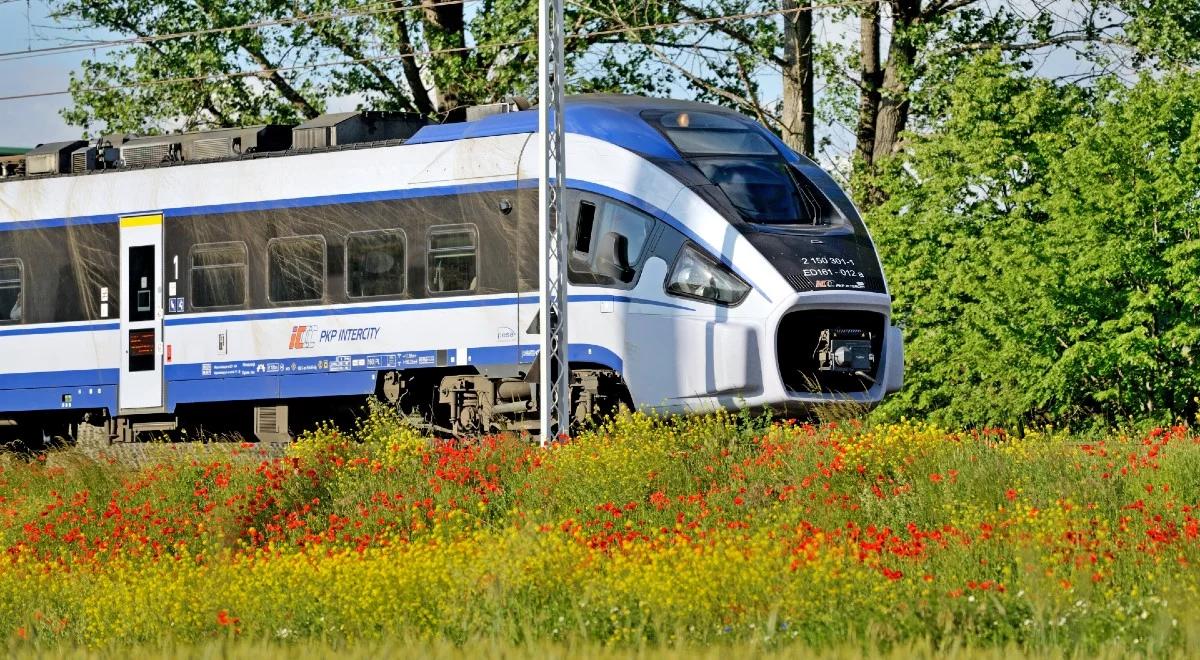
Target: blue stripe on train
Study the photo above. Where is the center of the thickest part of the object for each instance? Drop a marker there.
(270, 387)
(56, 329)
(258, 379)
(82, 377)
(88, 397)
(309, 312)
(265, 205)
(527, 353)
(59, 390)
(344, 375)
(316, 312)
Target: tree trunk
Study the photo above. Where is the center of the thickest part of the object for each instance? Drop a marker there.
(894, 104)
(798, 116)
(446, 29)
(412, 71)
(870, 82)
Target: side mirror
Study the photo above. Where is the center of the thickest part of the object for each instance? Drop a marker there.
(613, 260)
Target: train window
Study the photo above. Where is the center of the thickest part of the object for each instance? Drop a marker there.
(11, 271)
(738, 158)
(218, 275)
(634, 225)
(453, 258)
(143, 267)
(296, 269)
(583, 227)
(375, 263)
(601, 232)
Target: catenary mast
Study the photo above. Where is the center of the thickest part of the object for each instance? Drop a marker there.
(554, 394)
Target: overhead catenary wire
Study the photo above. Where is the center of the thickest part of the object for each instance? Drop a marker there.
(265, 72)
(370, 9)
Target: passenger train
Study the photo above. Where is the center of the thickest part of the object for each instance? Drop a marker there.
(253, 277)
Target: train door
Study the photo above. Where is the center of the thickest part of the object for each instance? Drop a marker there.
(527, 277)
(141, 380)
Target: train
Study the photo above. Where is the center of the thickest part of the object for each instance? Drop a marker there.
(249, 279)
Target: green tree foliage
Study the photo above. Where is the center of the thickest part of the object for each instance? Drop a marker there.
(1168, 30)
(1125, 228)
(428, 57)
(1042, 244)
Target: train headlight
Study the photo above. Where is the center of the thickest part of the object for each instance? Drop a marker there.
(696, 275)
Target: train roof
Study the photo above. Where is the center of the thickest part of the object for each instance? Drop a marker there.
(614, 118)
(611, 118)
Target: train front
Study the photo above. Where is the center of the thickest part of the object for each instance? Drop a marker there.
(820, 312)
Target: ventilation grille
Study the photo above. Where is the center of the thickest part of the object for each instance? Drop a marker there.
(148, 155)
(268, 419)
(83, 160)
(212, 148)
(799, 282)
(271, 423)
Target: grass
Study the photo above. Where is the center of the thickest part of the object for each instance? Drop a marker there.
(645, 537)
(500, 650)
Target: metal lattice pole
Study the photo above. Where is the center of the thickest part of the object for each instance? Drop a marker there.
(554, 393)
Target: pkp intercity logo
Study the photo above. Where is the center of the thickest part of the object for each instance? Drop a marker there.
(303, 336)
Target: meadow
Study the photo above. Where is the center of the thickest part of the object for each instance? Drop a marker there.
(671, 537)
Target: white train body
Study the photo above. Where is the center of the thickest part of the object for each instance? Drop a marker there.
(144, 351)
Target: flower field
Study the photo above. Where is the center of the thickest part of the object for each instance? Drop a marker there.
(661, 533)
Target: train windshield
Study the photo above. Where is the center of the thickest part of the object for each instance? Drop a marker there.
(742, 162)
(762, 189)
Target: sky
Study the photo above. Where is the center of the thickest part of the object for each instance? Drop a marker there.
(24, 25)
(28, 122)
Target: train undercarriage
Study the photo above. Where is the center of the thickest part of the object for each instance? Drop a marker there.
(458, 403)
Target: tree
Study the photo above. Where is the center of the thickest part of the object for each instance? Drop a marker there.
(873, 84)
(963, 225)
(1125, 222)
(1042, 245)
(1168, 30)
(396, 55)
(798, 107)
(413, 55)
